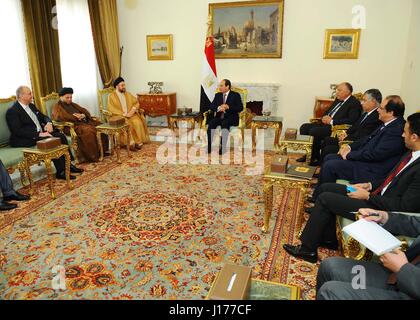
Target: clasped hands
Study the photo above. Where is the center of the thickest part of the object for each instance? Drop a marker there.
(131, 113)
(223, 108)
(79, 116)
(326, 119)
(395, 259)
(48, 129)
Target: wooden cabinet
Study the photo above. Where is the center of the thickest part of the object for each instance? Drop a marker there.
(155, 105)
(322, 105)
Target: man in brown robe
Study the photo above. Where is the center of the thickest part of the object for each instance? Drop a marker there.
(123, 103)
(84, 125)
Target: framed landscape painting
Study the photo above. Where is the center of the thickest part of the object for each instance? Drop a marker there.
(159, 47)
(342, 43)
(250, 29)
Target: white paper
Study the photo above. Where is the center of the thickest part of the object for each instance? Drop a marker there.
(372, 236)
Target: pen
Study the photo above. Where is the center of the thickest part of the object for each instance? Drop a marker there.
(370, 214)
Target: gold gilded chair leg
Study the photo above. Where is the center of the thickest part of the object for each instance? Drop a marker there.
(101, 147)
(308, 155)
(21, 168)
(268, 200)
(68, 161)
(49, 175)
(128, 144)
(277, 139)
(118, 146)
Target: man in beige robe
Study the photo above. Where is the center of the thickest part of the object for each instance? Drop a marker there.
(123, 103)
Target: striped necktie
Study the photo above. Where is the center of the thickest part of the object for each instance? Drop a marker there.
(334, 111)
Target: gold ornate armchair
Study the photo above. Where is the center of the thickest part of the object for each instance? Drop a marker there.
(47, 103)
(103, 103)
(245, 117)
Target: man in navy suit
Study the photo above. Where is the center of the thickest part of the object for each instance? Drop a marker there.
(372, 157)
(346, 109)
(399, 191)
(365, 125)
(28, 125)
(226, 105)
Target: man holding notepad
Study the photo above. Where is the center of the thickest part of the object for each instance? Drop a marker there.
(396, 278)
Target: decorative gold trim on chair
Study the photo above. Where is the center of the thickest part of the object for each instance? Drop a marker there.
(62, 125)
(104, 113)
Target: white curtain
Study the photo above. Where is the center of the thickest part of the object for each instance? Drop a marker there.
(77, 52)
(14, 66)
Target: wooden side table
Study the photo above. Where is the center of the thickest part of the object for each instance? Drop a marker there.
(283, 181)
(261, 122)
(155, 105)
(34, 156)
(301, 142)
(114, 136)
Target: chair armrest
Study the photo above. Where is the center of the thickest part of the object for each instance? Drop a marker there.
(62, 125)
(337, 129)
(205, 118)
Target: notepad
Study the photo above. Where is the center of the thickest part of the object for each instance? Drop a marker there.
(372, 236)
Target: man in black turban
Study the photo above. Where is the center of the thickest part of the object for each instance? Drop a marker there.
(65, 91)
(118, 81)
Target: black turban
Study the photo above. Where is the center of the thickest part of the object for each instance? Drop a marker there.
(65, 91)
(118, 81)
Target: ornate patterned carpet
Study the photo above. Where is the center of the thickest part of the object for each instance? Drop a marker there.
(141, 230)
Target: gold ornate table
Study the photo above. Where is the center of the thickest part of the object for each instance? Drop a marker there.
(114, 134)
(281, 180)
(35, 156)
(191, 118)
(300, 143)
(260, 122)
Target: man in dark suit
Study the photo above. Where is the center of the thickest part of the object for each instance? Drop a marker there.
(372, 157)
(346, 109)
(226, 105)
(399, 191)
(398, 278)
(28, 125)
(364, 126)
(9, 194)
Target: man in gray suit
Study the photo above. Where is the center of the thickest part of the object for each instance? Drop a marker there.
(9, 194)
(398, 278)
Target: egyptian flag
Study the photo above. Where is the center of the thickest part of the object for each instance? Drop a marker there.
(209, 76)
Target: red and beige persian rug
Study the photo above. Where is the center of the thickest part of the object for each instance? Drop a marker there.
(144, 230)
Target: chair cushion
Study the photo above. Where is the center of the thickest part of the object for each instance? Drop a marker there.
(4, 129)
(11, 156)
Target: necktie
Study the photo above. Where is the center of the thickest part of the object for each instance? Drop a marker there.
(364, 116)
(35, 119)
(334, 111)
(393, 174)
(222, 116)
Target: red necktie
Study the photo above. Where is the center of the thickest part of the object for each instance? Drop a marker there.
(393, 174)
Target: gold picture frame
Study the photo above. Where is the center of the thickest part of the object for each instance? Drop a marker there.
(247, 29)
(342, 43)
(160, 47)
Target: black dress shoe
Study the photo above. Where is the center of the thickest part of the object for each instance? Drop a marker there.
(4, 206)
(62, 176)
(301, 159)
(298, 252)
(309, 210)
(315, 163)
(331, 245)
(74, 169)
(16, 197)
(311, 199)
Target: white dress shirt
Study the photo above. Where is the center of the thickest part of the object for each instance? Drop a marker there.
(32, 115)
(341, 104)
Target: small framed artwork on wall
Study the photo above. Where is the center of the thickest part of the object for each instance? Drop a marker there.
(160, 47)
(342, 43)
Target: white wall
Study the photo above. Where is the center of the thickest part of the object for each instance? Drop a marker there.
(302, 72)
(411, 78)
